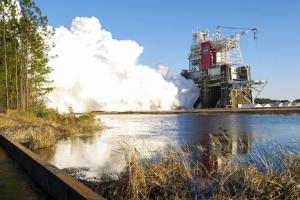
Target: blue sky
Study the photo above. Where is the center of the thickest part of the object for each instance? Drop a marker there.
(164, 29)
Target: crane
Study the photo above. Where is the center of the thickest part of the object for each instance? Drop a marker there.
(245, 31)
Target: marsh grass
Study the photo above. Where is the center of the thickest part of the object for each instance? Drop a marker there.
(42, 129)
(172, 173)
(162, 175)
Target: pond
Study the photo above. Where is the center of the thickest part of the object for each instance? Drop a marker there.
(103, 152)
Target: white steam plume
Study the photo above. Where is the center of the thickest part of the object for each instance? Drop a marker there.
(93, 71)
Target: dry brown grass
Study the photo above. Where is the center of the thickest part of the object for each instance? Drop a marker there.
(165, 177)
(171, 173)
(43, 129)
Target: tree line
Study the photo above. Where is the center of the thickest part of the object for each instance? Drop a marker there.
(268, 101)
(24, 55)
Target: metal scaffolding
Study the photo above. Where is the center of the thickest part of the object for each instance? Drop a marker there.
(217, 68)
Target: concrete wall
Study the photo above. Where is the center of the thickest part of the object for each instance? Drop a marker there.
(52, 180)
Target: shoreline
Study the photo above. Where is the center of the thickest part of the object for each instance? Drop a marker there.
(262, 111)
(43, 129)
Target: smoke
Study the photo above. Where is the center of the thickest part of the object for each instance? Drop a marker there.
(187, 91)
(93, 71)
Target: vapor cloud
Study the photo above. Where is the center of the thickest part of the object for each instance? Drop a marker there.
(93, 71)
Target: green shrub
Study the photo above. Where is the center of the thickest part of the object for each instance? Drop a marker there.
(49, 114)
(87, 123)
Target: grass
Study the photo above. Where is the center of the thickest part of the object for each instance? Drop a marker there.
(71, 123)
(42, 129)
(172, 173)
(165, 177)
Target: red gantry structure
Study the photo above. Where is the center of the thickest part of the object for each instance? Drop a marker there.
(216, 67)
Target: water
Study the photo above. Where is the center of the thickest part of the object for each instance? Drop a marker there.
(103, 152)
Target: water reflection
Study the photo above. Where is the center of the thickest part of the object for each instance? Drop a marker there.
(218, 148)
(104, 152)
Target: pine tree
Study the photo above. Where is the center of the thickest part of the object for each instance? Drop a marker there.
(24, 55)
